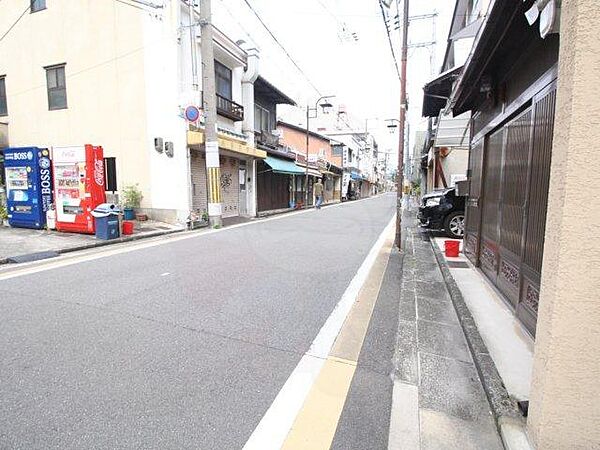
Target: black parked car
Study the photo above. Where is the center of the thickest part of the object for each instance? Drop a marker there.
(443, 210)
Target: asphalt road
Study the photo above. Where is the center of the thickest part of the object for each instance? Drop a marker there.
(180, 345)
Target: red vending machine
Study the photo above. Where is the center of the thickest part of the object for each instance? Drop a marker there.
(79, 186)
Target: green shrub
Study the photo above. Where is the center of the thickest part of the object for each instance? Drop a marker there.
(132, 196)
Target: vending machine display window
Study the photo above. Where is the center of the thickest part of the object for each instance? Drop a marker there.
(79, 186)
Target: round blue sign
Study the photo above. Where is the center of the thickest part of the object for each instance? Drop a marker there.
(192, 114)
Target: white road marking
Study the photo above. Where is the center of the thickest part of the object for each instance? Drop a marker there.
(279, 418)
(37, 266)
(165, 274)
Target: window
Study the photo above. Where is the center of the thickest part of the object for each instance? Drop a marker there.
(57, 88)
(223, 80)
(37, 5)
(262, 119)
(337, 150)
(3, 103)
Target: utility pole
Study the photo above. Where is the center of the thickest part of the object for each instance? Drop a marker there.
(307, 148)
(209, 96)
(403, 107)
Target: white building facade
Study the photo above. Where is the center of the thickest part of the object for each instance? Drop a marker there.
(123, 77)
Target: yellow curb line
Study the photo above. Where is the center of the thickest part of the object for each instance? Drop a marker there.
(316, 423)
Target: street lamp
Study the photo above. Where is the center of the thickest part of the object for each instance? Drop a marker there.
(326, 105)
(391, 125)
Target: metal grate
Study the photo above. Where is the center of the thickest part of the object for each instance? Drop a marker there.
(457, 264)
(540, 178)
(514, 183)
(491, 185)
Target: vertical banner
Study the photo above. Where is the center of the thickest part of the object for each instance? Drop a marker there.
(213, 178)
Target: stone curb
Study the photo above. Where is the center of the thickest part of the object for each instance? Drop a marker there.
(103, 243)
(505, 410)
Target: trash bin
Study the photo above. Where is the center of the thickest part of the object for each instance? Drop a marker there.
(106, 216)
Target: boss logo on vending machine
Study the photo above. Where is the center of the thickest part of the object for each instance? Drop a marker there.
(46, 183)
(99, 172)
(20, 156)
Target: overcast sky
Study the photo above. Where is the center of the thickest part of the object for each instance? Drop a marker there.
(318, 36)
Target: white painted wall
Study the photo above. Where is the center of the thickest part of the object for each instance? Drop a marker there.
(104, 50)
(128, 78)
(169, 176)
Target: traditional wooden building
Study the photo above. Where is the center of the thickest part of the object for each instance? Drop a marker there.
(275, 174)
(508, 83)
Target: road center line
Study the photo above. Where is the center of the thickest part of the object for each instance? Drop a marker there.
(275, 425)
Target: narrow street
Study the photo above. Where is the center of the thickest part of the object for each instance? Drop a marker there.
(299, 225)
(185, 341)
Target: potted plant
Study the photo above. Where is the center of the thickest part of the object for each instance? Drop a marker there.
(132, 198)
(3, 215)
(197, 220)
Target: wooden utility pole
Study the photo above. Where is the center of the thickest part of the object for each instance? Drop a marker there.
(211, 143)
(403, 107)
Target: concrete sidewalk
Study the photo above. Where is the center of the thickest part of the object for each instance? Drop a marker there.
(438, 398)
(22, 244)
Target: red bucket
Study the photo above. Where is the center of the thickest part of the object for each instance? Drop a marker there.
(452, 248)
(127, 227)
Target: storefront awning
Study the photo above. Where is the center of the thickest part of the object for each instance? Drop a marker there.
(452, 131)
(356, 176)
(437, 92)
(196, 138)
(282, 166)
(314, 172)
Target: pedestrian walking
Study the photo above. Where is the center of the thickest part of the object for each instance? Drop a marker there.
(318, 187)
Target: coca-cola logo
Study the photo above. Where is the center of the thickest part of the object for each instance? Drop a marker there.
(66, 154)
(99, 172)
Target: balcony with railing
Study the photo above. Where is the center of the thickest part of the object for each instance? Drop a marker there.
(230, 109)
(267, 139)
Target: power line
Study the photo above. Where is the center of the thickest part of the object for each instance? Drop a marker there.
(326, 8)
(16, 21)
(387, 30)
(282, 47)
(239, 23)
(133, 6)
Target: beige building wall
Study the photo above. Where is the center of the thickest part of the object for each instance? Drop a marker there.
(564, 411)
(455, 164)
(102, 44)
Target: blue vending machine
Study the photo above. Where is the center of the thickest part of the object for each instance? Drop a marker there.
(28, 186)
